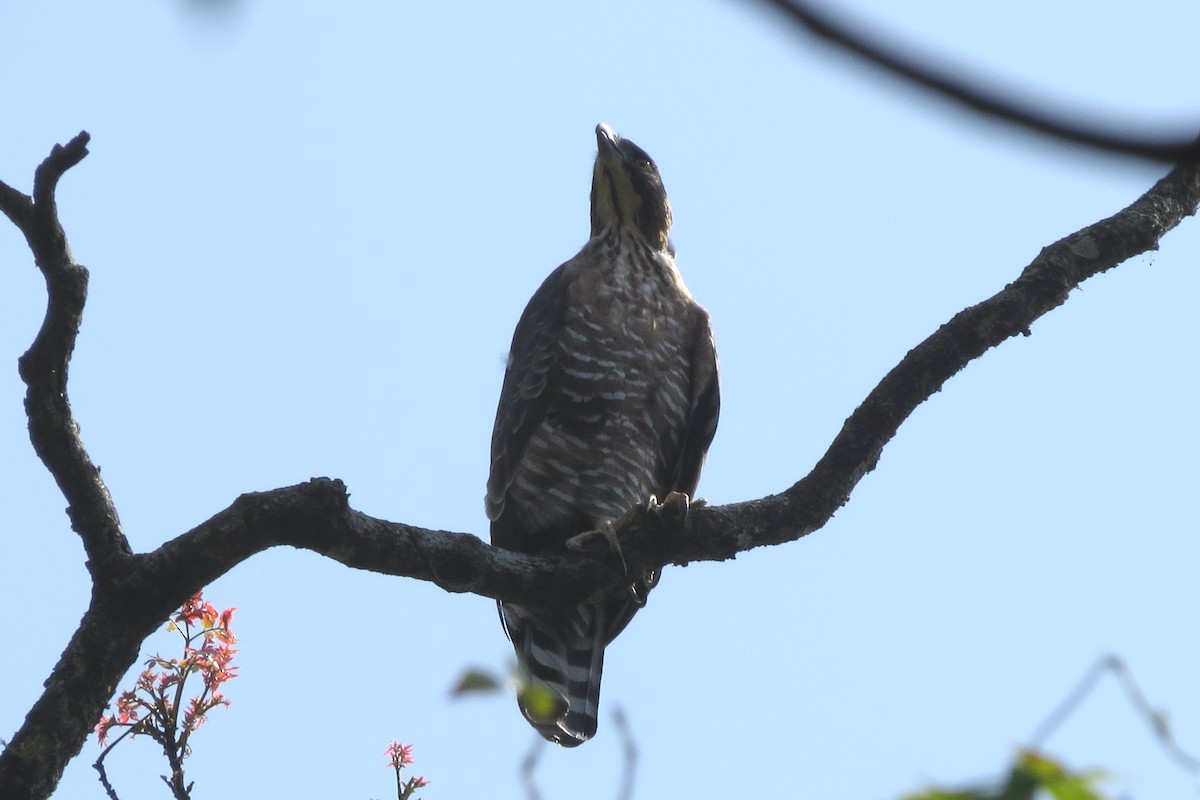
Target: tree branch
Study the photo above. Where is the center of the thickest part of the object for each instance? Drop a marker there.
(133, 593)
(919, 69)
(52, 428)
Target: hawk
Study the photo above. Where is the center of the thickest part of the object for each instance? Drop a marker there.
(610, 399)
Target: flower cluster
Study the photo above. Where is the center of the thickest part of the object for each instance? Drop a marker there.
(400, 756)
(152, 707)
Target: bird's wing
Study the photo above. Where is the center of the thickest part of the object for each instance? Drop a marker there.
(523, 397)
(704, 407)
(703, 411)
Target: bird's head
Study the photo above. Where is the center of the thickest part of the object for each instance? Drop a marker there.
(627, 191)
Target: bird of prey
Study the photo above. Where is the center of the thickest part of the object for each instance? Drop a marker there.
(610, 400)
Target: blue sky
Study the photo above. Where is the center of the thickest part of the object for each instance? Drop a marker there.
(311, 229)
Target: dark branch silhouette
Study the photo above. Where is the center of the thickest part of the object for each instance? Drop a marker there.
(133, 593)
(44, 367)
(908, 64)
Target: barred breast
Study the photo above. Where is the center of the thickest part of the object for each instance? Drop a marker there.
(622, 377)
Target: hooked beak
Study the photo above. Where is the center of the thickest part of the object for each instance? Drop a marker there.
(606, 138)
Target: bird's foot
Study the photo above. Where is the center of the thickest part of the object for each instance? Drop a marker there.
(608, 532)
(668, 517)
(673, 510)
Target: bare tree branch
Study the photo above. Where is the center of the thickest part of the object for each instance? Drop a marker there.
(52, 429)
(919, 69)
(133, 593)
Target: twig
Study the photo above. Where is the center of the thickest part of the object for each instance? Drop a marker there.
(529, 767)
(629, 751)
(629, 760)
(1156, 720)
(910, 65)
(108, 787)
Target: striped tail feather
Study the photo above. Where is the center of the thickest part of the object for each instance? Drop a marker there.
(568, 664)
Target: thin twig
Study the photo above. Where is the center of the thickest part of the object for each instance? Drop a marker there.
(108, 787)
(1156, 720)
(529, 767)
(1070, 703)
(918, 68)
(629, 751)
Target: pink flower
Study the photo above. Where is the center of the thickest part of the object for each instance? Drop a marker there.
(399, 755)
(102, 728)
(160, 685)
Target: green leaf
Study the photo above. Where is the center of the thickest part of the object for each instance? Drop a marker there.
(1032, 774)
(476, 681)
(541, 703)
(1059, 780)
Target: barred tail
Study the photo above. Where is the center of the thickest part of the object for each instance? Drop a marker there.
(568, 665)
